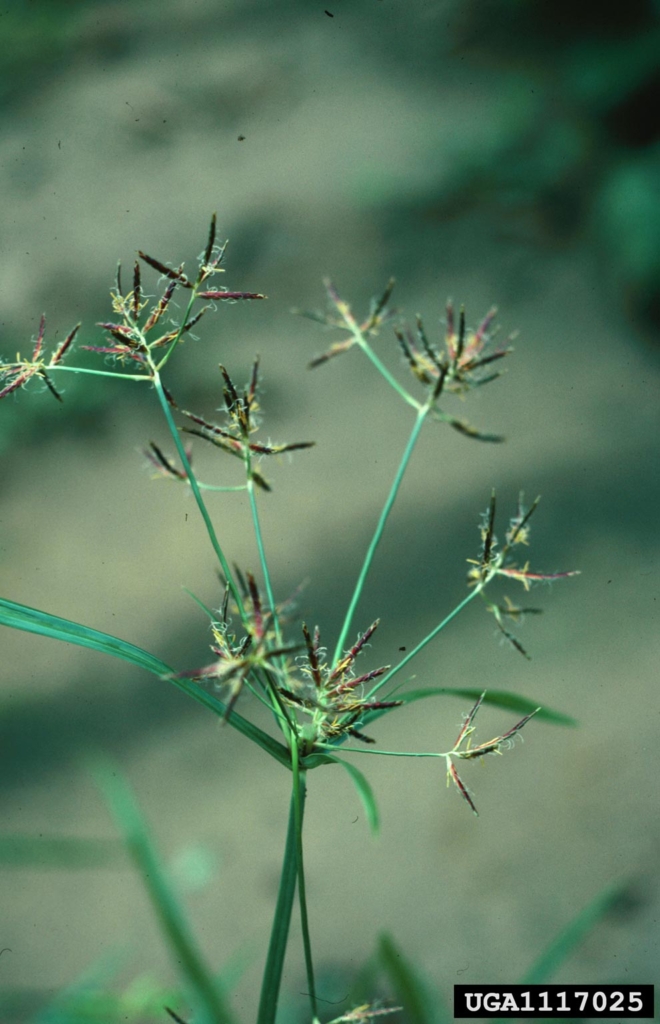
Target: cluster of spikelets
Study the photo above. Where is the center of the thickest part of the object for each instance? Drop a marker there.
(455, 367)
(132, 335)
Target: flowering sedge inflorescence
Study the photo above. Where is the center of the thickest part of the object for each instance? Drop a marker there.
(321, 701)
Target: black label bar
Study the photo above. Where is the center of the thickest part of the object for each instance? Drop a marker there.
(536, 1002)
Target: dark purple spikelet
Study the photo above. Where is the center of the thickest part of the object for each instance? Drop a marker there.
(219, 295)
(173, 275)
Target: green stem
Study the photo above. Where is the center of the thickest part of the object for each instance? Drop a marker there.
(100, 373)
(277, 705)
(299, 790)
(357, 332)
(385, 753)
(175, 341)
(427, 640)
(220, 488)
(382, 369)
(197, 494)
(419, 421)
(260, 547)
(270, 984)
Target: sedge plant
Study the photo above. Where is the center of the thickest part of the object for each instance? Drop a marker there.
(322, 704)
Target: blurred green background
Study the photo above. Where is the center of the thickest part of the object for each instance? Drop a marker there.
(500, 151)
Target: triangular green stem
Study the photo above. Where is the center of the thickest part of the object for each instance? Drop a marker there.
(272, 976)
(197, 494)
(422, 413)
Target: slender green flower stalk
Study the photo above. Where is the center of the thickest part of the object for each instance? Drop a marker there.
(380, 527)
(318, 703)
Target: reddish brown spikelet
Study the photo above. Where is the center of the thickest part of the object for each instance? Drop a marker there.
(334, 350)
(493, 746)
(375, 705)
(378, 305)
(230, 393)
(489, 532)
(451, 770)
(469, 719)
(484, 326)
(64, 346)
(344, 663)
(518, 726)
(460, 341)
(220, 438)
(360, 736)
(158, 311)
(407, 351)
(121, 332)
(440, 383)
(366, 678)
(521, 520)
(137, 291)
(220, 295)
(426, 345)
(38, 345)
(450, 317)
(189, 324)
(535, 577)
(211, 240)
(170, 398)
(463, 427)
(313, 654)
(49, 384)
(211, 427)
(15, 384)
(256, 606)
(174, 275)
(115, 350)
(277, 449)
(160, 461)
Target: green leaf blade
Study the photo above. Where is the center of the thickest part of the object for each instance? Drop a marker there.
(498, 698)
(422, 1005)
(31, 620)
(130, 822)
(572, 935)
(364, 791)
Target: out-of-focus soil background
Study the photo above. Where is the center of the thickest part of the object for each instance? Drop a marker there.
(495, 152)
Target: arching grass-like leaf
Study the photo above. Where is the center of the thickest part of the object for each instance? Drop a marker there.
(128, 817)
(498, 698)
(421, 1004)
(561, 948)
(20, 616)
(364, 790)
